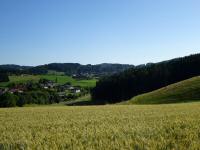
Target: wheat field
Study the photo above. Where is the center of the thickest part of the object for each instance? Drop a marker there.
(145, 127)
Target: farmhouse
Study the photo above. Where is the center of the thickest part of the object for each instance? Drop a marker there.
(20, 88)
(81, 76)
(75, 89)
(16, 90)
(46, 84)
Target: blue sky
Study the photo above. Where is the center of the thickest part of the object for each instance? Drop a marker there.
(34, 32)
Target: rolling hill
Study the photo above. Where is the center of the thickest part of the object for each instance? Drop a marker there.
(184, 91)
(67, 68)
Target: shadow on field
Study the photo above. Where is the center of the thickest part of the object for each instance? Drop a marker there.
(80, 103)
(83, 103)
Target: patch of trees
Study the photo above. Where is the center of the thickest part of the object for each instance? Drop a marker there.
(14, 69)
(36, 70)
(4, 77)
(33, 97)
(144, 78)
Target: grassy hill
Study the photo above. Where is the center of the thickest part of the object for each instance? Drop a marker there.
(184, 91)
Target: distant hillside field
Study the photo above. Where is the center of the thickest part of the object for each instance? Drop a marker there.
(113, 127)
(61, 79)
(184, 91)
(20, 79)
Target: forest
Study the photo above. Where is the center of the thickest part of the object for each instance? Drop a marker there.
(144, 78)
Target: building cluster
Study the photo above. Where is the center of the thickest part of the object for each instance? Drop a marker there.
(15, 89)
(62, 90)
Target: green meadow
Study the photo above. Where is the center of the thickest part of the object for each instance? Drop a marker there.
(61, 79)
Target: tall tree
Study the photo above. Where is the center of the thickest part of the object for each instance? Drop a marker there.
(4, 77)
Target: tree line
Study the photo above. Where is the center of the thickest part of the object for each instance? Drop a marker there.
(33, 97)
(34, 94)
(144, 78)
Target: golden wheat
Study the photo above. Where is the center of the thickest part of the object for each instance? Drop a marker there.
(174, 126)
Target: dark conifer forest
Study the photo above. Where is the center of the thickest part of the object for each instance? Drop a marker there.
(145, 78)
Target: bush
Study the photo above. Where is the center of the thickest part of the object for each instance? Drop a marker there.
(54, 97)
(8, 100)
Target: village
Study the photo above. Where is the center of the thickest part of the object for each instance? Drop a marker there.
(65, 91)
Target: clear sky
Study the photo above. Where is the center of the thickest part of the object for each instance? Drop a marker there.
(34, 32)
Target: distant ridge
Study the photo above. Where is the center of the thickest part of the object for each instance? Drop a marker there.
(67, 68)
